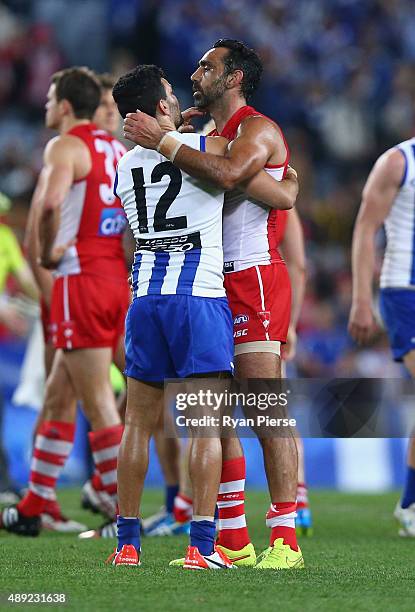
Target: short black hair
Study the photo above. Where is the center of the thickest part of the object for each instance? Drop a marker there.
(241, 57)
(140, 89)
(80, 87)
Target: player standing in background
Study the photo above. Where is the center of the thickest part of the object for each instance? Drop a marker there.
(81, 225)
(93, 497)
(388, 199)
(62, 394)
(227, 76)
(290, 241)
(107, 116)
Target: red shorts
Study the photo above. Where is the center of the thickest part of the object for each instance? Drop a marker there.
(45, 320)
(88, 311)
(260, 300)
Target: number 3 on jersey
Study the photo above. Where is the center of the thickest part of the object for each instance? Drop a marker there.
(161, 222)
(113, 154)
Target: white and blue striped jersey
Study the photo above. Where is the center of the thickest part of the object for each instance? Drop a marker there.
(176, 221)
(398, 269)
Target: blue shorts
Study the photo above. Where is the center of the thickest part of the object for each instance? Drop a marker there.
(397, 307)
(175, 336)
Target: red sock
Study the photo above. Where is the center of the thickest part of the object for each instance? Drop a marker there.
(96, 481)
(281, 519)
(53, 444)
(233, 532)
(182, 508)
(302, 496)
(104, 445)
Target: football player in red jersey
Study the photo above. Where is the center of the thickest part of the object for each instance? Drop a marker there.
(290, 241)
(81, 225)
(226, 77)
(62, 393)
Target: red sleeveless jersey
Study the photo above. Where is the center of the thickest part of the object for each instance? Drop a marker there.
(91, 214)
(251, 232)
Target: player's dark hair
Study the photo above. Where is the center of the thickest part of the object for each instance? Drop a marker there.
(106, 80)
(241, 57)
(81, 88)
(140, 89)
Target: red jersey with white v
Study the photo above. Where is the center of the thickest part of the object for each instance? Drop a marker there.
(251, 230)
(256, 280)
(91, 214)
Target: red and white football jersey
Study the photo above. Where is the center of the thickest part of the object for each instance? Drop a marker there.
(251, 230)
(91, 214)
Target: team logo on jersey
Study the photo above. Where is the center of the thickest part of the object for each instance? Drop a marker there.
(174, 244)
(242, 318)
(240, 333)
(265, 317)
(112, 222)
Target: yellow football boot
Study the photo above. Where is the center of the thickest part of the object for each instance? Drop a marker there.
(280, 556)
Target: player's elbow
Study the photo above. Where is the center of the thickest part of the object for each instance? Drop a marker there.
(51, 203)
(288, 202)
(227, 183)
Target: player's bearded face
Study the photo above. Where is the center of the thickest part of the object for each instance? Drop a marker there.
(175, 113)
(205, 94)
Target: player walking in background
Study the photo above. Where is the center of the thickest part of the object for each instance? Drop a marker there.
(388, 199)
(227, 76)
(81, 226)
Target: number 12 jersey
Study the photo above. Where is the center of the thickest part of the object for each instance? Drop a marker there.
(176, 221)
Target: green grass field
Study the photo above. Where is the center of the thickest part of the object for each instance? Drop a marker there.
(355, 561)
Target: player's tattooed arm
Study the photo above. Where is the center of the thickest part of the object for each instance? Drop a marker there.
(253, 147)
(379, 193)
(58, 175)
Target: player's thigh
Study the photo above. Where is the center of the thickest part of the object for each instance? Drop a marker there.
(257, 365)
(119, 354)
(90, 372)
(49, 357)
(60, 396)
(144, 404)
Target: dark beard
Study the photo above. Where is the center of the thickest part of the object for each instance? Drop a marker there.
(205, 99)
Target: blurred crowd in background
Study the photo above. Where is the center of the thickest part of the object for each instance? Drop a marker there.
(339, 77)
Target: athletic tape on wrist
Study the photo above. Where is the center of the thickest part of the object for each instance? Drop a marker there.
(161, 142)
(168, 140)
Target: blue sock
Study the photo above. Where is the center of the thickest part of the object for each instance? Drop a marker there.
(171, 492)
(216, 512)
(408, 497)
(202, 535)
(128, 532)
